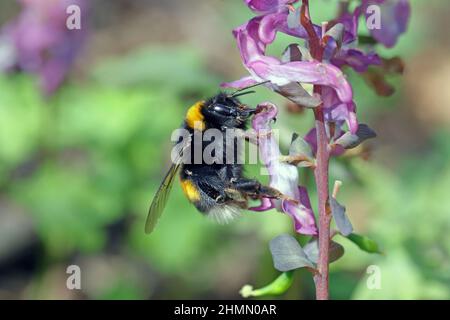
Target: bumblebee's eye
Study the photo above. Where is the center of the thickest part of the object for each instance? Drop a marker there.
(223, 110)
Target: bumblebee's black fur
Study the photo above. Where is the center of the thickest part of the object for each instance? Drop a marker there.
(218, 190)
(214, 181)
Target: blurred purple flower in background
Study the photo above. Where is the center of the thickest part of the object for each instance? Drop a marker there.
(39, 41)
(393, 21)
(341, 38)
(395, 16)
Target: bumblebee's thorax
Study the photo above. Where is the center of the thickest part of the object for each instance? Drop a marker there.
(220, 112)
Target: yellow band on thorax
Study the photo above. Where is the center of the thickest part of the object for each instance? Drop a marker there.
(194, 117)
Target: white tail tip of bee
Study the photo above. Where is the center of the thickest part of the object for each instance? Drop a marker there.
(224, 214)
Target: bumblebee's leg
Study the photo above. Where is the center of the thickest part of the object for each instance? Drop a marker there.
(215, 190)
(255, 189)
(237, 197)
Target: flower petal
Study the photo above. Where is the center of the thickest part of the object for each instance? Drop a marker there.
(266, 204)
(253, 38)
(283, 176)
(248, 41)
(312, 72)
(239, 84)
(356, 59)
(350, 22)
(301, 214)
(267, 6)
(336, 111)
(311, 138)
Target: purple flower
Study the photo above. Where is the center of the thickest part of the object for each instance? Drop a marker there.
(338, 112)
(311, 139)
(285, 76)
(350, 24)
(283, 176)
(394, 19)
(356, 59)
(268, 6)
(42, 43)
(253, 38)
(341, 40)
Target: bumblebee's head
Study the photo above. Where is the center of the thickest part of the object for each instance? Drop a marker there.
(225, 111)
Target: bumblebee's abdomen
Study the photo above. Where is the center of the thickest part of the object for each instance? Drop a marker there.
(196, 191)
(190, 190)
(204, 185)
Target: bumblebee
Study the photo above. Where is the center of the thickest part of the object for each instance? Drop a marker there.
(219, 191)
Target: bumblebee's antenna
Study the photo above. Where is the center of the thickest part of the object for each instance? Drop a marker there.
(235, 94)
(238, 94)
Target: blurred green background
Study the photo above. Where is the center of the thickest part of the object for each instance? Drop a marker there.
(78, 170)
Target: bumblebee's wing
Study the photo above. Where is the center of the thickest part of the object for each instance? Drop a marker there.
(160, 199)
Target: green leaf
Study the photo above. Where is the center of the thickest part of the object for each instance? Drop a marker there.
(364, 243)
(312, 251)
(287, 254)
(342, 222)
(300, 153)
(277, 287)
(297, 94)
(363, 39)
(300, 147)
(350, 141)
(293, 19)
